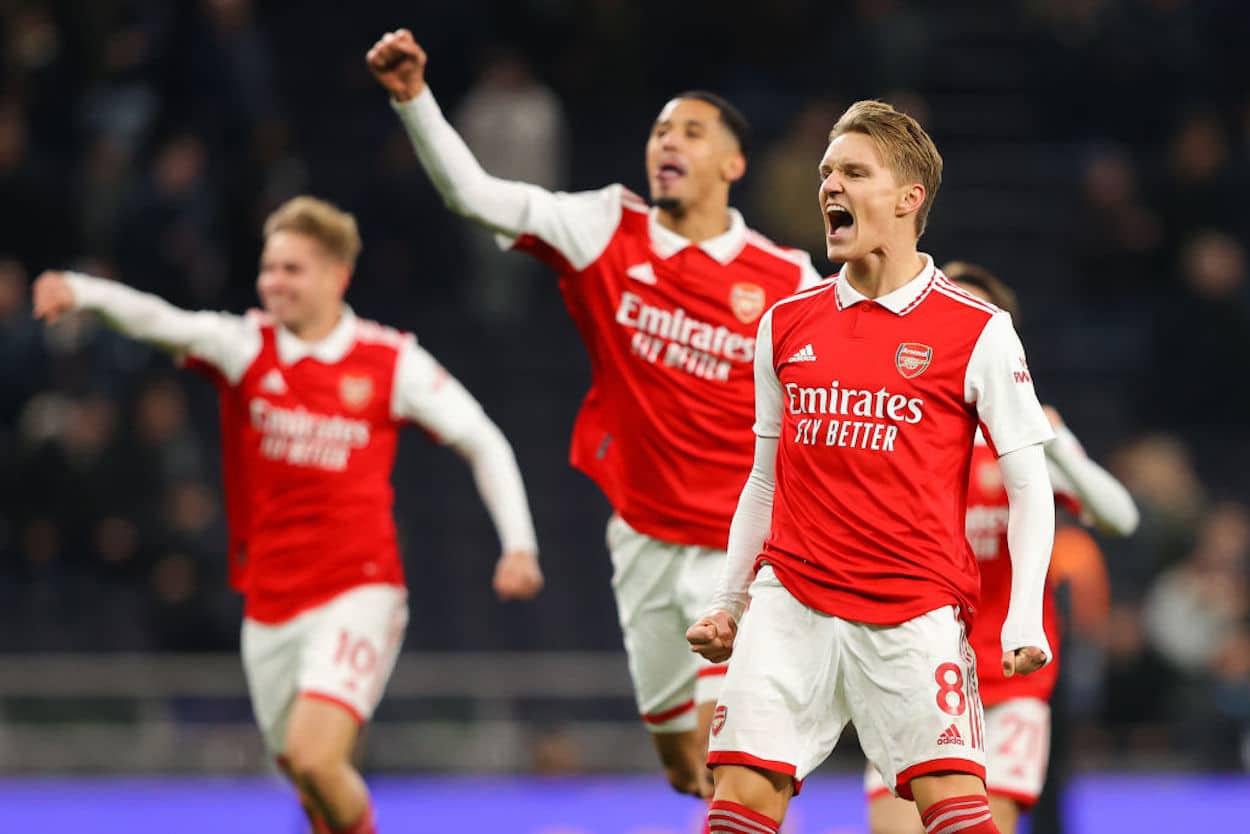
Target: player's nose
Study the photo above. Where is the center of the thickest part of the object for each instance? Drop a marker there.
(830, 185)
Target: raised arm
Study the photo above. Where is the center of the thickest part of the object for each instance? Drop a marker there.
(1103, 499)
(579, 226)
(225, 341)
(713, 635)
(427, 395)
(999, 385)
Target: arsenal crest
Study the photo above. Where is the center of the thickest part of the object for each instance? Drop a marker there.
(912, 358)
(355, 391)
(747, 301)
(718, 719)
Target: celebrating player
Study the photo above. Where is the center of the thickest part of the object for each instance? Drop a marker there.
(311, 400)
(869, 391)
(666, 299)
(1017, 713)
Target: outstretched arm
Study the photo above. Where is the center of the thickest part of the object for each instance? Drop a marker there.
(579, 226)
(223, 340)
(1104, 498)
(427, 395)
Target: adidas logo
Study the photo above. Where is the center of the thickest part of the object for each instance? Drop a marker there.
(804, 354)
(273, 383)
(642, 273)
(951, 736)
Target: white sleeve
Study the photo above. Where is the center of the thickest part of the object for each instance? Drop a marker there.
(754, 516)
(748, 530)
(225, 341)
(999, 384)
(579, 226)
(1103, 498)
(1030, 539)
(427, 395)
(768, 394)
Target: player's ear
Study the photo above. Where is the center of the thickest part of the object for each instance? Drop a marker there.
(734, 167)
(910, 199)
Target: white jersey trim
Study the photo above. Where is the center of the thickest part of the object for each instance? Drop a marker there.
(949, 289)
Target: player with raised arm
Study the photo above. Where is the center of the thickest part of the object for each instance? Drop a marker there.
(312, 398)
(666, 299)
(1017, 712)
(869, 391)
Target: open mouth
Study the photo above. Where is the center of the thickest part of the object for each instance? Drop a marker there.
(839, 217)
(670, 172)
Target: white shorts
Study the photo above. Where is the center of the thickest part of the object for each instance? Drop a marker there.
(342, 651)
(1018, 735)
(798, 676)
(661, 589)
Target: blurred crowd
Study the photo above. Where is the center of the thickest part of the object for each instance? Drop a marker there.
(1095, 153)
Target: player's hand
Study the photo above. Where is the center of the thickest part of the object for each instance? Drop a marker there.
(397, 61)
(517, 575)
(713, 636)
(53, 296)
(1023, 661)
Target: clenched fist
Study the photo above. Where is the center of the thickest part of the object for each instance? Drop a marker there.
(397, 61)
(1024, 661)
(517, 575)
(53, 296)
(713, 636)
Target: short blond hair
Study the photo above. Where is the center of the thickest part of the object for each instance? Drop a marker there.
(324, 222)
(907, 150)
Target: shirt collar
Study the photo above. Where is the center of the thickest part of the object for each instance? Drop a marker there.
(901, 301)
(723, 248)
(331, 349)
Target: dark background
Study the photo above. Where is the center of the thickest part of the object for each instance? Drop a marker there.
(1097, 158)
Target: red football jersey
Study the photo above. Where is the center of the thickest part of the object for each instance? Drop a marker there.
(309, 434)
(665, 430)
(316, 448)
(987, 534)
(875, 404)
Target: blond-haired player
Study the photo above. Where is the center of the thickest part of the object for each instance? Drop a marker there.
(869, 391)
(312, 398)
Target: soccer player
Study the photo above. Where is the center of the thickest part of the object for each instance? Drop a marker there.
(666, 299)
(1017, 712)
(312, 398)
(869, 390)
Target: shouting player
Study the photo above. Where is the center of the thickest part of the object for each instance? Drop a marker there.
(869, 391)
(666, 299)
(312, 398)
(1017, 712)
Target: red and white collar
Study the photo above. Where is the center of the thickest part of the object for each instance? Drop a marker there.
(901, 301)
(330, 349)
(723, 248)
